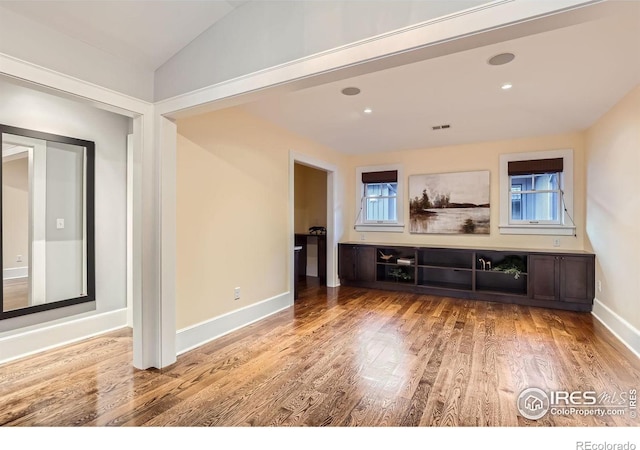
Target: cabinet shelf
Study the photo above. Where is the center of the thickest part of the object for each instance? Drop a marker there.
(501, 282)
(395, 273)
(499, 273)
(395, 264)
(546, 279)
(462, 269)
(446, 285)
(446, 258)
(445, 277)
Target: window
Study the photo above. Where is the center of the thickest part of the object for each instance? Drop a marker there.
(535, 191)
(536, 195)
(379, 199)
(380, 196)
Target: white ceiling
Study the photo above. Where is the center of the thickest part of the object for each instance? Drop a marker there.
(146, 32)
(563, 81)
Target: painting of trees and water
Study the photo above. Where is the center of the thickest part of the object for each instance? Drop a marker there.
(450, 203)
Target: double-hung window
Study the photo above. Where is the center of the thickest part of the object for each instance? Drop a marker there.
(536, 197)
(379, 199)
(536, 193)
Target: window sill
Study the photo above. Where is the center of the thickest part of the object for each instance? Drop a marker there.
(555, 230)
(381, 227)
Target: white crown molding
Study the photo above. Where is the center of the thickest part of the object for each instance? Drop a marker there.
(73, 87)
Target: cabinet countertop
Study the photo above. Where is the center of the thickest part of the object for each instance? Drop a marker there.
(554, 250)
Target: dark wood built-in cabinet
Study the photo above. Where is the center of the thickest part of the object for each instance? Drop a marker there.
(562, 278)
(537, 278)
(356, 263)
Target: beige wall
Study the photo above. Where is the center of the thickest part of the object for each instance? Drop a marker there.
(233, 210)
(234, 219)
(310, 198)
(15, 213)
(613, 205)
(470, 157)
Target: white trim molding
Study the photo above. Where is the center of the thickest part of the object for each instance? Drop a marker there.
(552, 230)
(384, 227)
(30, 342)
(384, 51)
(334, 223)
(199, 334)
(391, 227)
(567, 228)
(621, 329)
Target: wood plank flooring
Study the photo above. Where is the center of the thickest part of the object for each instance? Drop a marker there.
(339, 357)
(15, 294)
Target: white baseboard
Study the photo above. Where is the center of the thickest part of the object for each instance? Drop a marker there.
(623, 330)
(201, 333)
(16, 272)
(35, 341)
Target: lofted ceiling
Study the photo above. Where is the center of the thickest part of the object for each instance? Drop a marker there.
(146, 32)
(563, 81)
(563, 78)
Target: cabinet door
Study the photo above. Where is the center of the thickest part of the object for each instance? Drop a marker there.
(366, 264)
(543, 277)
(347, 262)
(576, 279)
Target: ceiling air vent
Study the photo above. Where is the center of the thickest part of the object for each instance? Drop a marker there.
(441, 127)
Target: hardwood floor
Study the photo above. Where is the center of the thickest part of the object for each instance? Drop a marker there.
(339, 357)
(15, 294)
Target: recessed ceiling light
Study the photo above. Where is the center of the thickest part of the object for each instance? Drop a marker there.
(502, 58)
(506, 86)
(368, 110)
(351, 91)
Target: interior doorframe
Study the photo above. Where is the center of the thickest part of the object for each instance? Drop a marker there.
(145, 267)
(36, 159)
(332, 218)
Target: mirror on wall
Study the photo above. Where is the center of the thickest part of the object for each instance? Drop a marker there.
(47, 250)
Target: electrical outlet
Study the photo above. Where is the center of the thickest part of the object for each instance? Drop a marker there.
(19, 258)
(599, 286)
(556, 242)
(236, 293)
(362, 236)
(60, 224)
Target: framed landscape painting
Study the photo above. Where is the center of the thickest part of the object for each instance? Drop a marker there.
(449, 203)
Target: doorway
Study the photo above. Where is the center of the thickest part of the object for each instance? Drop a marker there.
(324, 197)
(310, 224)
(15, 218)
